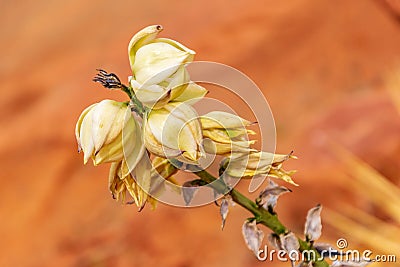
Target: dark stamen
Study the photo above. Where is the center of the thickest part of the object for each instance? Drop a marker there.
(108, 80)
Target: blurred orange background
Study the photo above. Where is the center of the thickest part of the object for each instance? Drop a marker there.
(323, 66)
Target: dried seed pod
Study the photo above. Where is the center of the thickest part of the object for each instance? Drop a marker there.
(275, 241)
(289, 242)
(224, 209)
(313, 226)
(269, 196)
(188, 192)
(252, 236)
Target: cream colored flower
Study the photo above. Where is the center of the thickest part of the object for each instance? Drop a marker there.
(142, 183)
(192, 93)
(163, 167)
(174, 131)
(225, 133)
(163, 171)
(121, 180)
(258, 163)
(105, 131)
(158, 68)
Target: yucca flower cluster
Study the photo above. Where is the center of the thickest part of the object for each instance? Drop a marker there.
(170, 129)
(158, 132)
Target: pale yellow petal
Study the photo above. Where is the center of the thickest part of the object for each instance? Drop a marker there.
(122, 145)
(188, 144)
(143, 178)
(190, 133)
(141, 38)
(192, 93)
(164, 127)
(87, 144)
(188, 114)
(103, 116)
(259, 163)
(217, 135)
(79, 123)
(113, 176)
(178, 46)
(132, 156)
(118, 123)
(155, 62)
(177, 83)
(153, 96)
(155, 147)
(218, 119)
(110, 152)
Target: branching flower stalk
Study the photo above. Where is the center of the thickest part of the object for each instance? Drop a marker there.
(167, 135)
(261, 215)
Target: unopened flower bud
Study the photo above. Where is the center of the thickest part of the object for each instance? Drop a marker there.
(258, 163)
(226, 133)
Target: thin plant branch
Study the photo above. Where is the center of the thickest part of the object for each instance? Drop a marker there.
(261, 215)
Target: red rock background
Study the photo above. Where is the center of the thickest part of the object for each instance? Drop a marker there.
(321, 64)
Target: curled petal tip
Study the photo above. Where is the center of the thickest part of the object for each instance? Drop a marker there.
(291, 154)
(141, 207)
(97, 162)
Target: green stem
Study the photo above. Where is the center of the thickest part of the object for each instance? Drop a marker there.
(128, 91)
(261, 215)
(136, 104)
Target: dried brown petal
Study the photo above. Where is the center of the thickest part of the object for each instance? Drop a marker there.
(252, 236)
(224, 209)
(361, 263)
(190, 188)
(274, 240)
(289, 242)
(269, 196)
(188, 192)
(313, 227)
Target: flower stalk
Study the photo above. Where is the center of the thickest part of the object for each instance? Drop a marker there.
(261, 215)
(170, 136)
(137, 106)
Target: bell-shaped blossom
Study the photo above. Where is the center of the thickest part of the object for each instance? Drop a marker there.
(174, 131)
(104, 132)
(158, 68)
